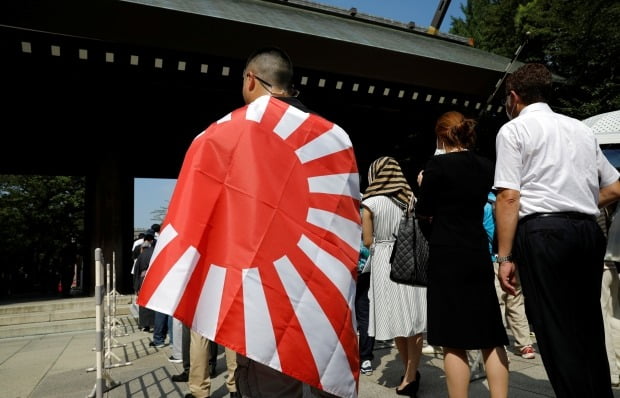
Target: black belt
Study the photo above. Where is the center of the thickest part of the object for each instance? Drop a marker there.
(571, 215)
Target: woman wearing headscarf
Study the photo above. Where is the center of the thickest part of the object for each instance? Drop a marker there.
(397, 311)
(463, 311)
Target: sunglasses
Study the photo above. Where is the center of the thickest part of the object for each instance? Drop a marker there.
(268, 86)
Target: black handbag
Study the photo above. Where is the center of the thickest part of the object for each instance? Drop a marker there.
(409, 259)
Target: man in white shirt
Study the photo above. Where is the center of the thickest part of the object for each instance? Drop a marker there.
(135, 250)
(552, 178)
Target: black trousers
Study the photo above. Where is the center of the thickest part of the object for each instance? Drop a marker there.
(146, 317)
(213, 351)
(560, 261)
(185, 340)
(362, 304)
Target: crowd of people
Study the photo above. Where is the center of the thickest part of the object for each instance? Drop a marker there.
(509, 240)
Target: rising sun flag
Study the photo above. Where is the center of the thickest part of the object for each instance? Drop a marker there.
(259, 247)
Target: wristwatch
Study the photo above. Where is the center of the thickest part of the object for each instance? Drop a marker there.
(504, 259)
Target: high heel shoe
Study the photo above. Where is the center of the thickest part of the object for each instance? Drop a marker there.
(411, 389)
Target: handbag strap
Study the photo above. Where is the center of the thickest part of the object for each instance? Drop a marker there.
(411, 205)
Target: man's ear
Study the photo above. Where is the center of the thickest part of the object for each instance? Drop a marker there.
(251, 83)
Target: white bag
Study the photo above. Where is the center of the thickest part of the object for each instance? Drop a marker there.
(613, 238)
(367, 266)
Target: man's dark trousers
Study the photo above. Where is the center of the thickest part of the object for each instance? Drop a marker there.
(362, 304)
(185, 340)
(560, 260)
(160, 331)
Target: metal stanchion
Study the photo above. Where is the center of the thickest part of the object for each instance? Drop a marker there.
(114, 292)
(104, 380)
(109, 339)
(476, 365)
(115, 323)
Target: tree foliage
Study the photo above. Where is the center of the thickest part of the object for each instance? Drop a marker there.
(577, 39)
(40, 216)
(158, 215)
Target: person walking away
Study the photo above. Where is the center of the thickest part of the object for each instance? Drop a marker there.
(176, 334)
(261, 239)
(146, 316)
(512, 307)
(362, 307)
(610, 304)
(162, 322)
(397, 311)
(551, 178)
(460, 281)
(185, 350)
(199, 368)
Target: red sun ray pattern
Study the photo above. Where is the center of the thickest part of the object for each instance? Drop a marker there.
(260, 243)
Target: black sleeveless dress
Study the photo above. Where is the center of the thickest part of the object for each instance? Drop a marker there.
(463, 308)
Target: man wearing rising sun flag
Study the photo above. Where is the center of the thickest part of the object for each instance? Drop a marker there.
(259, 247)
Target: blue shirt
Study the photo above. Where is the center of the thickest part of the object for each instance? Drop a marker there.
(364, 254)
(489, 222)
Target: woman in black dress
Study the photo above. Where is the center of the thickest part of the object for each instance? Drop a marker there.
(463, 310)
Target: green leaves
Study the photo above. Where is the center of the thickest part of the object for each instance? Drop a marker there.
(40, 215)
(578, 40)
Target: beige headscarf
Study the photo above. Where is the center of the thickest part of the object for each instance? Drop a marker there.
(385, 177)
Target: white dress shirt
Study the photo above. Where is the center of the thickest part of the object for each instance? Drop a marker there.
(553, 160)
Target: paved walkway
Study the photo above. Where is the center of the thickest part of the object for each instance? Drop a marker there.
(54, 366)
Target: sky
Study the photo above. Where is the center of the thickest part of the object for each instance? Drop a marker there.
(419, 11)
(153, 194)
(150, 194)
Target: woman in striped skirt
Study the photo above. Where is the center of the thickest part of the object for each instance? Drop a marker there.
(397, 311)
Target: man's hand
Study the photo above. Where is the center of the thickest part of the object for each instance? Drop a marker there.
(507, 277)
(609, 194)
(506, 216)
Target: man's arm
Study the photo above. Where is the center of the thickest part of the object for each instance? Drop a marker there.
(507, 216)
(367, 227)
(609, 194)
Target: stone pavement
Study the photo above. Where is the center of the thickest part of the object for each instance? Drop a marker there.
(54, 366)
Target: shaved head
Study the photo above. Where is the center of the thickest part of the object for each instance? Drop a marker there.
(273, 65)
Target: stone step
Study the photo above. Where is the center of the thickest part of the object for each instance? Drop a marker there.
(59, 315)
(31, 318)
(57, 304)
(127, 324)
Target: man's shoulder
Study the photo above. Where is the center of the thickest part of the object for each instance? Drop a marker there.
(542, 111)
(255, 110)
(269, 114)
(569, 119)
(293, 101)
(224, 125)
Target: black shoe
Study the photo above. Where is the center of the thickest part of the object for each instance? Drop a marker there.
(235, 394)
(181, 377)
(411, 389)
